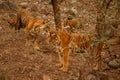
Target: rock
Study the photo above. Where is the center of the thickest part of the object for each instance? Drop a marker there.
(2, 75)
(74, 10)
(71, 79)
(0, 28)
(24, 5)
(97, 76)
(34, 8)
(118, 56)
(8, 6)
(111, 78)
(119, 71)
(74, 1)
(105, 54)
(91, 77)
(114, 64)
(114, 41)
(46, 77)
(103, 76)
(105, 67)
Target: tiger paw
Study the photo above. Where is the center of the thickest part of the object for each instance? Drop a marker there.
(27, 44)
(37, 48)
(96, 68)
(59, 65)
(64, 69)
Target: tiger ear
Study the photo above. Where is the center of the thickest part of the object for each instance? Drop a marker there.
(69, 18)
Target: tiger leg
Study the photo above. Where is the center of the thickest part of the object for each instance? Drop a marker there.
(36, 45)
(98, 57)
(98, 61)
(28, 27)
(59, 51)
(60, 60)
(65, 59)
(98, 66)
(28, 42)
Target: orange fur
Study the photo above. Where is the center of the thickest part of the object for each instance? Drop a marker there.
(32, 26)
(73, 24)
(64, 39)
(12, 22)
(98, 57)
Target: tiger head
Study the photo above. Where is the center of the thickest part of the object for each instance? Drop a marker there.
(16, 22)
(12, 22)
(72, 22)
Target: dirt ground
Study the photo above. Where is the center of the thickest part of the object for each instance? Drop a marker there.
(18, 62)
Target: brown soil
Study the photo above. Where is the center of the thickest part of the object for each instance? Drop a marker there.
(18, 62)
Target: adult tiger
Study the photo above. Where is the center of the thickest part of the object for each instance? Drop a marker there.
(32, 26)
(63, 42)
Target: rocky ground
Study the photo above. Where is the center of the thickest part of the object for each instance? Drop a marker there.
(18, 62)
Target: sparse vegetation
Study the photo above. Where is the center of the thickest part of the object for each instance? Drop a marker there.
(98, 17)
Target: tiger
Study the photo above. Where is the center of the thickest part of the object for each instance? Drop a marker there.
(12, 23)
(98, 57)
(63, 42)
(73, 24)
(32, 26)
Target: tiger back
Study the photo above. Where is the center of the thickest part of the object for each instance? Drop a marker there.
(81, 42)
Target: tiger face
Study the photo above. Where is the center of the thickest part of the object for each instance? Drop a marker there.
(13, 22)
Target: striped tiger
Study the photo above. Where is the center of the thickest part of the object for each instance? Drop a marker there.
(82, 41)
(64, 42)
(98, 57)
(32, 26)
